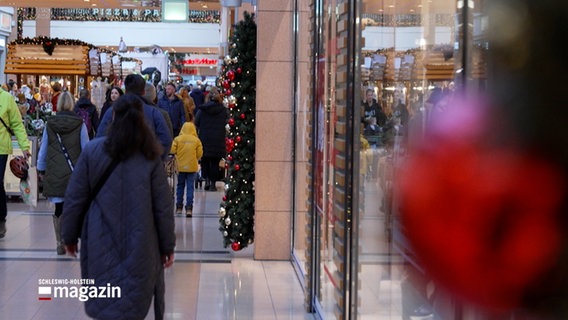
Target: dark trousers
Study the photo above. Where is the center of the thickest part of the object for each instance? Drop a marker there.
(3, 205)
(210, 168)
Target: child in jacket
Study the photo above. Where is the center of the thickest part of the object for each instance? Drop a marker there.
(188, 150)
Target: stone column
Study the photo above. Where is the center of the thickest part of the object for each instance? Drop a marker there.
(43, 21)
(274, 130)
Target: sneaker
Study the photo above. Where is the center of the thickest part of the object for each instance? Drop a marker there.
(179, 209)
(188, 211)
(2, 229)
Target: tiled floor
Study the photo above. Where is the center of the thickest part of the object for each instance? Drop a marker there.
(207, 281)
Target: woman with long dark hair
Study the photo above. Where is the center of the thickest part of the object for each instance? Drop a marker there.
(112, 95)
(127, 233)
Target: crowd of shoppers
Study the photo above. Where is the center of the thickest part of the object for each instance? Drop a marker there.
(105, 176)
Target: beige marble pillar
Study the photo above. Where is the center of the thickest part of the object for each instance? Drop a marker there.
(274, 130)
(43, 20)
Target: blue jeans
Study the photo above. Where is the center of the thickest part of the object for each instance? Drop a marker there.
(185, 179)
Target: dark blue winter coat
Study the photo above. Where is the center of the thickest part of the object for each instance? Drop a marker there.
(210, 121)
(198, 97)
(127, 228)
(154, 119)
(176, 111)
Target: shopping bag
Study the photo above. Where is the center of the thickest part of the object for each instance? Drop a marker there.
(28, 187)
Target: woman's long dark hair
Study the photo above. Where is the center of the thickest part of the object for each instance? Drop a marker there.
(128, 133)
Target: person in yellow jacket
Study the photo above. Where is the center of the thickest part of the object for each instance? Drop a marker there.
(11, 124)
(188, 150)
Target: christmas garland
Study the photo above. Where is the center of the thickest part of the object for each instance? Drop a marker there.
(49, 44)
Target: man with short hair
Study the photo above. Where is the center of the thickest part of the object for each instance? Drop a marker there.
(174, 106)
(135, 84)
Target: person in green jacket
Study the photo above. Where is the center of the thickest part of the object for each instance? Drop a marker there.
(11, 125)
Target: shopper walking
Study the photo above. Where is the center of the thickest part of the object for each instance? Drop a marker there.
(174, 106)
(127, 227)
(11, 125)
(188, 150)
(87, 111)
(135, 84)
(210, 121)
(64, 136)
(111, 96)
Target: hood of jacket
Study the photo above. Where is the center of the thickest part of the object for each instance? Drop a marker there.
(212, 107)
(188, 128)
(64, 122)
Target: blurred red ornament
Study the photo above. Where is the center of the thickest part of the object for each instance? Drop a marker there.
(231, 75)
(228, 92)
(482, 220)
(237, 167)
(224, 198)
(226, 84)
(231, 105)
(239, 70)
(242, 116)
(236, 246)
(238, 138)
(231, 122)
(230, 157)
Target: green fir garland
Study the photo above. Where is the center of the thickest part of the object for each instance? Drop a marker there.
(237, 81)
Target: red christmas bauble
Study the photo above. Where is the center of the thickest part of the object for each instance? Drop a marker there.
(231, 122)
(229, 92)
(226, 84)
(236, 246)
(238, 138)
(231, 75)
(242, 116)
(231, 105)
(476, 241)
(224, 198)
(230, 157)
(237, 167)
(239, 70)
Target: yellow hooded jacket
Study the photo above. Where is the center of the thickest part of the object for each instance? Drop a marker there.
(188, 148)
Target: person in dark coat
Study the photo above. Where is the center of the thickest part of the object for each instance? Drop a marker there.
(111, 95)
(210, 121)
(135, 84)
(174, 106)
(52, 164)
(197, 95)
(127, 234)
(84, 103)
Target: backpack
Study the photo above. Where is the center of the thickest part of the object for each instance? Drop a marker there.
(83, 113)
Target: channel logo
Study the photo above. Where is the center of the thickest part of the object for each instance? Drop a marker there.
(81, 289)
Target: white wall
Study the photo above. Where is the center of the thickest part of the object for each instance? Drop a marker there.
(135, 34)
(402, 38)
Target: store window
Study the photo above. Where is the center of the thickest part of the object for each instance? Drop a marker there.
(407, 66)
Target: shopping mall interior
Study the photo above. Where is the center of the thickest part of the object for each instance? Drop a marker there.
(408, 159)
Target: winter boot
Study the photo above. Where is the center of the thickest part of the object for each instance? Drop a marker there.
(212, 186)
(179, 209)
(2, 229)
(57, 229)
(188, 211)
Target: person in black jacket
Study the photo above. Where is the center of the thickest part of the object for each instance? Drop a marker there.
(84, 105)
(210, 121)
